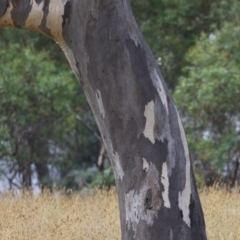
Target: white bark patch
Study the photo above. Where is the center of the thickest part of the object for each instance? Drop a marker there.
(159, 86)
(100, 103)
(6, 19)
(165, 183)
(145, 165)
(54, 23)
(55, 20)
(35, 16)
(184, 196)
(150, 121)
(171, 161)
(135, 202)
(171, 234)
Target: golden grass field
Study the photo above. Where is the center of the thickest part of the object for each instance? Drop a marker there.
(95, 216)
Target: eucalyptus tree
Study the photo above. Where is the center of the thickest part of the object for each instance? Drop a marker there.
(137, 118)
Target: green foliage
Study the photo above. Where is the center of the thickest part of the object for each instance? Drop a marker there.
(39, 108)
(88, 178)
(210, 94)
(171, 27)
(104, 178)
(31, 87)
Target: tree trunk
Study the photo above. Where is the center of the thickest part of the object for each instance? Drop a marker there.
(43, 174)
(26, 172)
(134, 111)
(234, 178)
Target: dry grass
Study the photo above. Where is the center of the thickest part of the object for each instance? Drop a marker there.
(222, 213)
(95, 216)
(49, 217)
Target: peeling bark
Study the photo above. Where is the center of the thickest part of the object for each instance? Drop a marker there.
(134, 111)
(150, 122)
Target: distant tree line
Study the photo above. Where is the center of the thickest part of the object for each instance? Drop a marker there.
(48, 134)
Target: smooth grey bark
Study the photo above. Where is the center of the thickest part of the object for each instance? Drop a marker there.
(134, 111)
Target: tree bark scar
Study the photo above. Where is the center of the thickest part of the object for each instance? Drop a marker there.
(143, 199)
(148, 200)
(3, 7)
(145, 166)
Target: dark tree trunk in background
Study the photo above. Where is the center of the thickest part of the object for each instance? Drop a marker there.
(42, 173)
(41, 151)
(26, 171)
(234, 178)
(134, 111)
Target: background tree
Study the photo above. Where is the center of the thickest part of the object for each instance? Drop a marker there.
(166, 26)
(171, 27)
(41, 105)
(209, 99)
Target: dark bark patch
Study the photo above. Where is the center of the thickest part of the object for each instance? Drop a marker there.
(156, 153)
(79, 75)
(67, 14)
(43, 24)
(38, 1)
(15, 3)
(3, 7)
(191, 211)
(196, 217)
(181, 214)
(148, 200)
(20, 12)
(142, 75)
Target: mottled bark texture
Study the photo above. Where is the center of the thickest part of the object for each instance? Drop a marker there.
(135, 113)
(3, 6)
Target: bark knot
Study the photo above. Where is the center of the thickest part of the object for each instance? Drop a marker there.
(148, 200)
